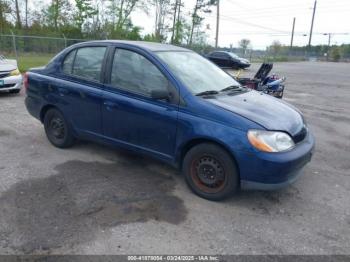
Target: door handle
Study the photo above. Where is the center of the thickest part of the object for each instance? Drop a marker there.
(110, 105)
(63, 91)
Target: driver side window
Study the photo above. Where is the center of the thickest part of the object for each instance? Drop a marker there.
(135, 73)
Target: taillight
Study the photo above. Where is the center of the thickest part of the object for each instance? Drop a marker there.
(25, 81)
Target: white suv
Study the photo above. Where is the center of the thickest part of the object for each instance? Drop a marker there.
(10, 76)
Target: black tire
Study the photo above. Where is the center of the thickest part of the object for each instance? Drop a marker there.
(281, 95)
(210, 172)
(57, 129)
(15, 91)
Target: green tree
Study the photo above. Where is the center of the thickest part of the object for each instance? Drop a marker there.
(57, 14)
(5, 9)
(120, 11)
(335, 54)
(345, 50)
(200, 6)
(84, 11)
(244, 44)
(275, 47)
(162, 11)
(18, 15)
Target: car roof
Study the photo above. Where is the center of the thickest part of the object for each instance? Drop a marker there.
(149, 46)
(225, 52)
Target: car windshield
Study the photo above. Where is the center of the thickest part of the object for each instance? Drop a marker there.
(196, 72)
(233, 55)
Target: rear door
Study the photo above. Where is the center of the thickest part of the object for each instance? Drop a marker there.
(215, 57)
(226, 60)
(221, 58)
(130, 115)
(80, 88)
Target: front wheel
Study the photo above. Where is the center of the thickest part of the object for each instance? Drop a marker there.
(57, 129)
(210, 172)
(280, 95)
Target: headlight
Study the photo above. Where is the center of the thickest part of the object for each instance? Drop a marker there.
(15, 72)
(270, 141)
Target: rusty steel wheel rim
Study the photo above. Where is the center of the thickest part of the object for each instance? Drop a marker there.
(208, 174)
(57, 128)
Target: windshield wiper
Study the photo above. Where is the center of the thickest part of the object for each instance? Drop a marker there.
(229, 88)
(208, 92)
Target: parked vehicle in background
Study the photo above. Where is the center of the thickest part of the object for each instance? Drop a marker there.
(10, 76)
(226, 59)
(172, 104)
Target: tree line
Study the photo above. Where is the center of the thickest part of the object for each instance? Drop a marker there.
(106, 19)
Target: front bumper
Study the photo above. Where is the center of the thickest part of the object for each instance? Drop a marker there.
(11, 83)
(271, 171)
(242, 65)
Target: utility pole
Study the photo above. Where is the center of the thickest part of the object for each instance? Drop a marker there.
(312, 23)
(329, 44)
(291, 40)
(217, 23)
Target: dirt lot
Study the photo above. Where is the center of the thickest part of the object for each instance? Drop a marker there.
(96, 200)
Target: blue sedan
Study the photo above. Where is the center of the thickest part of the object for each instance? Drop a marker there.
(174, 105)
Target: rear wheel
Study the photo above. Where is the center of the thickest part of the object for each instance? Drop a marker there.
(57, 129)
(210, 172)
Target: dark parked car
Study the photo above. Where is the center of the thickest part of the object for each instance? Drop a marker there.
(172, 104)
(226, 59)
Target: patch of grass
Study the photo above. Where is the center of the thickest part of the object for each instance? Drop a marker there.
(27, 61)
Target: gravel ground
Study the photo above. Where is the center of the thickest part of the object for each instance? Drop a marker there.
(92, 199)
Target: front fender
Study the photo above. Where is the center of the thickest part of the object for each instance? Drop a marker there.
(193, 130)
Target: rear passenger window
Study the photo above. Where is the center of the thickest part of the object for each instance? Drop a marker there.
(87, 63)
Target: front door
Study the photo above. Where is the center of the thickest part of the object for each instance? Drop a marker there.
(130, 115)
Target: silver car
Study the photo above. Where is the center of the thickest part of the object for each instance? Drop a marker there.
(10, 76)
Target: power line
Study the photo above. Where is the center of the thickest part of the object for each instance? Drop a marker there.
(285, 7)
(240, 21)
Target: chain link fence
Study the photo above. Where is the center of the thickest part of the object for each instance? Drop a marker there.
(12, 44)
(32, 51)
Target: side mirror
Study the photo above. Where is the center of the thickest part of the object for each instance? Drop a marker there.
(160, 94)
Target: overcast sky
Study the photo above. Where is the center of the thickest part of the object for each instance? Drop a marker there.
(263, 21)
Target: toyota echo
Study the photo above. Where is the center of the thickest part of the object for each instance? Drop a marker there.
(172, 104)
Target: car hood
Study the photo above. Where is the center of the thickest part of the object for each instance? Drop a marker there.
(267, 111)
(8, 65)
(243, 60)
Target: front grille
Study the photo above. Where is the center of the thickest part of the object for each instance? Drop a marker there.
(4, 74)
(300, 135)
(7, 85)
